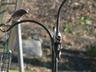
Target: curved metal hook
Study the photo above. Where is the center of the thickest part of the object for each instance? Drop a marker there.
(32, 21)
(58, 16)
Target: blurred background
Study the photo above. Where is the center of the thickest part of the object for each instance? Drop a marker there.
(77, 26)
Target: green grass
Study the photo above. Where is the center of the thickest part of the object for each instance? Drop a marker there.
(13, 71)
(18, 71)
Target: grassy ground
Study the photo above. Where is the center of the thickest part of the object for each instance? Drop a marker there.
(18, 71)
(13, 71)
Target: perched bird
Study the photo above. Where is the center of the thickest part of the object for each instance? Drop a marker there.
(17, 14)
(57, 43)
(54, 33)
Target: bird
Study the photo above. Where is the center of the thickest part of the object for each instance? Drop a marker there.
(54, 33)
(17, 14)
(57, 43)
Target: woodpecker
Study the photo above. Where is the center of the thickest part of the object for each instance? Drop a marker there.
(57, 43)
(17, 14)
(54, 35)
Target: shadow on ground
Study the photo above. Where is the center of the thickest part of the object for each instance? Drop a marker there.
(71, 61)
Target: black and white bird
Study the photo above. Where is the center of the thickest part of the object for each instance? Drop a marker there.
(57, 42)
(17, 14)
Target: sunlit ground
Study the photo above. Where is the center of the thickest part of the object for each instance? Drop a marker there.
(18, 71)
(13, 71)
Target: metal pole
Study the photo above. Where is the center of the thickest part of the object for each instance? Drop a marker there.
(56, 44)
(20, 57)
(21, 62)
(19, 46)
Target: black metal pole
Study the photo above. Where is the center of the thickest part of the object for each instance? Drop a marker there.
(58, 16)
(56, 44)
